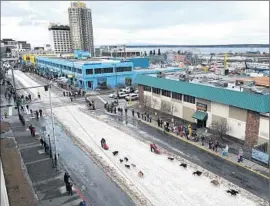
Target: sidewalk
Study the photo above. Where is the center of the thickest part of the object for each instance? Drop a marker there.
(231, 157)
(46, 181)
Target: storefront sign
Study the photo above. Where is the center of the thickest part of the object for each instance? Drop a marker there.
(201, 106)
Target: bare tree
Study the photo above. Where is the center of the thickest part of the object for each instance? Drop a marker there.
(220, 128)
(165, 107)
(173, 108)
(146, 102)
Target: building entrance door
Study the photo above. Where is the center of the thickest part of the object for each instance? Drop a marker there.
(90, 84)
(201, 123)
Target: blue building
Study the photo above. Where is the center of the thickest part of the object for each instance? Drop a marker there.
(138, 62)
(94, 73)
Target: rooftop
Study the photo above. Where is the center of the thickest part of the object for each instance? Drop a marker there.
(244, 100)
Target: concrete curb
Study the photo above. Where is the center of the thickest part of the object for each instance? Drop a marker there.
(209, 151)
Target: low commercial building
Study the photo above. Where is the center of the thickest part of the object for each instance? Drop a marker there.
(245, 113)
(93, 73)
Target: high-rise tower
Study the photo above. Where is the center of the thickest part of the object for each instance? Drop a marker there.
(81, 29)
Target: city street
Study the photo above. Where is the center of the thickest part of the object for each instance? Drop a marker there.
(141, 130)
(94, 184)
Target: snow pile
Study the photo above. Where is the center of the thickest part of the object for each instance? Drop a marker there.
(165, 182)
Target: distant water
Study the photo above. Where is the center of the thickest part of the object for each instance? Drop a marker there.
(205, 50)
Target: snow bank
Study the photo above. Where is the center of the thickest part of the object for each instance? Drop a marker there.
(165, 182)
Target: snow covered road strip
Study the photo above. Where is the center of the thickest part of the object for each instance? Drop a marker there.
(164, 182)
(27, 82)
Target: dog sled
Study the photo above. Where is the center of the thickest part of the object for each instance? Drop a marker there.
(104, 144)
(154, 149)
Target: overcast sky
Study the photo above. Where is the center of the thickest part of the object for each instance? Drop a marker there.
(144, 22)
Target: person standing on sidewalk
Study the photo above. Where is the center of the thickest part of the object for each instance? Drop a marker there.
(41, 142)
(69, 188)
(29, 96)
(240, 155)
(37, 115)
(40, 112)
(27, 107)
(133, 112)
(30, 128)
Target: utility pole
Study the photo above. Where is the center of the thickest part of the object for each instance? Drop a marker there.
(16, 97)
(115, 70)
(55, 154)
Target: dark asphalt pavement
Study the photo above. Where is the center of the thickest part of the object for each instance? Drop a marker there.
(94, 184)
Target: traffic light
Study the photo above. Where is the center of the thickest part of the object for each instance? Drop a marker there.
(46, 88)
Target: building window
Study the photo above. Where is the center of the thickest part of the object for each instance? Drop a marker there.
(176, 96)
(147, 88)
(89, 71)
(166, 93)
(156, 90)
(123, 69)
(103, 70)
(79, 71)
(189, 99)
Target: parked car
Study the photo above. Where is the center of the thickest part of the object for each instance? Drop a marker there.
(132, 97)
(129, 89)
(121, 95)
(112, 95)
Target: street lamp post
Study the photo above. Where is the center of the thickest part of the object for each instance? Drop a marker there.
(115, 70)
(55, 155)
(16, 96)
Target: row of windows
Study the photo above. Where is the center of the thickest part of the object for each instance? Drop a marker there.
(103, 70)
(176, 96)
(173, 95)
(156, 90)
(166, 93)
(108, 70)
(189, 99)
(147, 88)
(123, 69)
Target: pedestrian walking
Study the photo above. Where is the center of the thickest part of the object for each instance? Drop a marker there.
(71, 99)
(138, 115)
(125, 110)
(29, 96)
(33, 131)
(225, 151)
(216, 146)
(30, 128)
(37, 115)
(66, 178)
(27, 107)
(46, 148)
(64, 93)
(22, 109)
(41, 142)
(133, 112)
(240, 155)
(69, 188)
(40, 112)
(39, 95)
